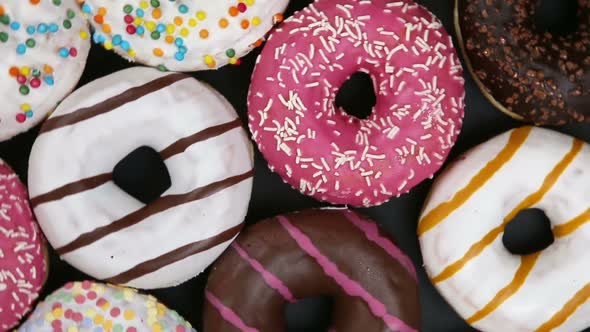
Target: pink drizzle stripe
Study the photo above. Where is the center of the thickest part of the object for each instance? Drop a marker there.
(270, 279)
(372, 233)
(350, 286)
(228, 314)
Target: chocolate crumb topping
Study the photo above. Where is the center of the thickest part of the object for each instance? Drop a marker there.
(537, 73)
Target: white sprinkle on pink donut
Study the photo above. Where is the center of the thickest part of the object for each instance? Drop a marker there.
(23, 268)
(330, 155)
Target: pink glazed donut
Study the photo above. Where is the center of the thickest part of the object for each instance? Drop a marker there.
(330, 155)
(23, 255)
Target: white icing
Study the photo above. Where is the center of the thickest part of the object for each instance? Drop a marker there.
(560, 270)
(125, 310)
(94, 146)
(66, 71)
(201, 16)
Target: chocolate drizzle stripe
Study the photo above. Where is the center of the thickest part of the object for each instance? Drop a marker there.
(527, 264)
(72, 188)
(443, 210)
(567, 310)
(184, 143)
(478, 247)
(111, 103)
(349, 286)
(173, 149)
(174, 256)
(161, 204)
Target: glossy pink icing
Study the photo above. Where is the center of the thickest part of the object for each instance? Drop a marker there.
(270, 279)
(22, 258)
(228, 314)
(350, 286)
(330, 155)
(372, 233)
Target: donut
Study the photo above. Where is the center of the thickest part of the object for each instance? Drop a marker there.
(525, 71)
(99, 226)
(183, 35)
(23, 256)
(44, 45)
(471, 203)
(333, 252)
(321, 150)
(91, 306)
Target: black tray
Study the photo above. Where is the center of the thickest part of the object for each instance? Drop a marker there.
(271, 196)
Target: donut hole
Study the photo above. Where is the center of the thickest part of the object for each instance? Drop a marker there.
(558, 17)
(142, 174)
(356, 96)
(312, 314)
(529, 232)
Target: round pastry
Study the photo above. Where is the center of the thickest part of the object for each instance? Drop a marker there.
(183, 35)
(23, 257)
(469, 207)
(333, 252)
(330, 155)
(524, 70)
(134, 128)
(90, 306)
(44, 46)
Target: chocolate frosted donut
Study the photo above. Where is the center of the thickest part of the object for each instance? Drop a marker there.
(333, 252)
(526, 70)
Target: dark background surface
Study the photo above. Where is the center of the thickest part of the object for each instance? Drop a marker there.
(271, 196)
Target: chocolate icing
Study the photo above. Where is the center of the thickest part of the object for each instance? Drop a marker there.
(161, 204)
(541, 77)
(242, 288)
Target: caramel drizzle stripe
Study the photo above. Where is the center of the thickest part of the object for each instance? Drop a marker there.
(567, 310)
(173, 149)
(174, 256)
(572, 225)
(161, 204)
(111, 103)
(478, 247)
(526, 265)
(443, 210)
(583, 294)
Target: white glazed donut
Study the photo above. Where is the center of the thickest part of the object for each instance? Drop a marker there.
(185, 35)
(44, 46)
(105, 232)
(88, 306)
(464, 218)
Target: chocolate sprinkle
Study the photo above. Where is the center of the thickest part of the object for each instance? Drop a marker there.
(540, 76)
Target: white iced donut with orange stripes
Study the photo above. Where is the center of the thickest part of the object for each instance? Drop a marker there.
(463, 220)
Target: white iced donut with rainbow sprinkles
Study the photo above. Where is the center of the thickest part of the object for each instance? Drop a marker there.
(44, 46)
(183, 35)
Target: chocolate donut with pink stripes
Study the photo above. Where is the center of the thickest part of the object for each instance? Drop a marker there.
(328, 252)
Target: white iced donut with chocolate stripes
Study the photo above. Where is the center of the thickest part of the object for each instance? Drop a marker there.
(463, 220)
(109, 234)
